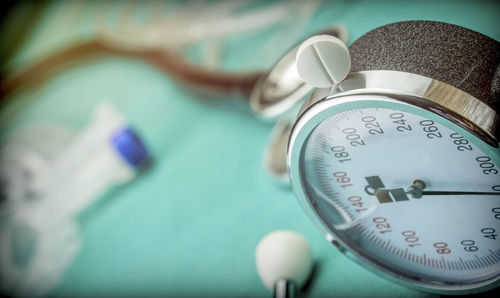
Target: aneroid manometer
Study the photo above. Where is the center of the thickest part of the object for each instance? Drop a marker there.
(399, 163)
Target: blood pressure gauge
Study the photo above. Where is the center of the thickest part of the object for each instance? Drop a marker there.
(399, 164)
(400, 188)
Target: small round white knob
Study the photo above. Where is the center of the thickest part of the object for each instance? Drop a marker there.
(323, 61)
(283, 255)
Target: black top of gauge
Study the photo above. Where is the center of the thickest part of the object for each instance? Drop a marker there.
(455, 55)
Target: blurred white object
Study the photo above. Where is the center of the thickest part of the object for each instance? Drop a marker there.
(89, 165)
(46, 188)
(283, 257)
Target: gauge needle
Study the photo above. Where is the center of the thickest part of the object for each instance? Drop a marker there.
(445, 193)
(416, 190)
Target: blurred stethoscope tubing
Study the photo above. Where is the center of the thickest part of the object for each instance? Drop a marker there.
(211, 82)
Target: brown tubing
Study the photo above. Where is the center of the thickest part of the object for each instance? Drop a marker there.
(217, 82)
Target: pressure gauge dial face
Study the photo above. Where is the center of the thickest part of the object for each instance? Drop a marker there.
(401, 189)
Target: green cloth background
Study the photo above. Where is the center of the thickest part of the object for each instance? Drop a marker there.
(189, 226)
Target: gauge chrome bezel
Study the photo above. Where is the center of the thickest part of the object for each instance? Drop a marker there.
(317, 110)
(450, 102)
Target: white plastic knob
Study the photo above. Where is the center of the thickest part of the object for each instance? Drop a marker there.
(323, 61)
(283, 255)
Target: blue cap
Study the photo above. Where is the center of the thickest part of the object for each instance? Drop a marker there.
(130, 147)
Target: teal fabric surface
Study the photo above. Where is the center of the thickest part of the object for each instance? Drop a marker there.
(189, 225)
